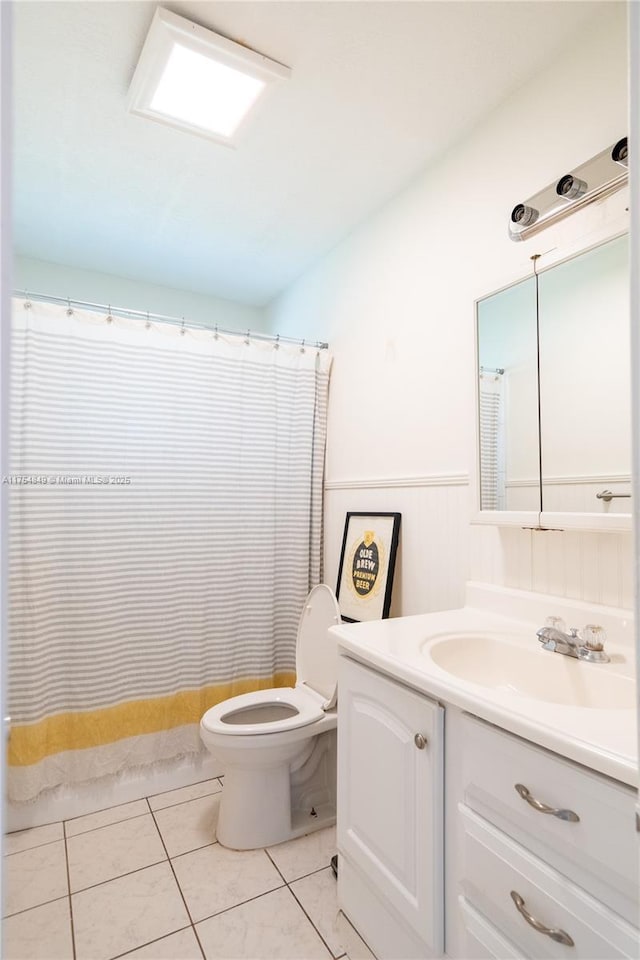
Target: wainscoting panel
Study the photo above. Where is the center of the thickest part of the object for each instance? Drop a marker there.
(595, 567)
(440, 550)
(432, 564)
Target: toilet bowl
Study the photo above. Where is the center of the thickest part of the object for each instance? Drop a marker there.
(278, 746)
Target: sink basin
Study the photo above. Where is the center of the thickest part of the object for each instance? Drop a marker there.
(535, 673)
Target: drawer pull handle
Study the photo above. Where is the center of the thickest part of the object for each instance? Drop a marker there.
(420, 741)
(558, 935)
(544, 808)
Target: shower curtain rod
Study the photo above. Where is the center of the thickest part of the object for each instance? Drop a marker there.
(499, 370)
(161, 318)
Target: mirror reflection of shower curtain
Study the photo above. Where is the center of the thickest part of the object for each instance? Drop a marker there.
(492, 442)
(165, 531)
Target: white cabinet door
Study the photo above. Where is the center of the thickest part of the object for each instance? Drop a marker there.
(390, 793)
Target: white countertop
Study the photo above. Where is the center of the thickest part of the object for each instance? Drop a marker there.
(603, 739)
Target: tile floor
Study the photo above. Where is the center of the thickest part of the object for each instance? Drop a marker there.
(148, 880)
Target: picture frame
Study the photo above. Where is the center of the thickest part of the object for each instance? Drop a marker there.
(367, 565)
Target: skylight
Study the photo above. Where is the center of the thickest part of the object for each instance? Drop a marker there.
(194, 79)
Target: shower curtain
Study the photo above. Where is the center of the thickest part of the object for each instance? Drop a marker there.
(492, 445)
(166, 516)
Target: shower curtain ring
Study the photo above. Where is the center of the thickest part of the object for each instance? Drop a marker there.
(182, 330)
(215, 332)
(148, 323)
(302, 349)
(276, 345)
(109, 317)
(69, 310)
(27, 301)
(248, 338)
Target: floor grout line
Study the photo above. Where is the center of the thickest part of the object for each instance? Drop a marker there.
(242, 903)
(36, 846)
(310, 921)
(187, 852)
(136, 816)
(103, 826)
(16, 913)
(128, 873)
(288, 885)
(175, 789)
(179, 803)
(175, 877)
(66, 858)
(275, 865)
(114, 806)
(148, 943)
(303, 876)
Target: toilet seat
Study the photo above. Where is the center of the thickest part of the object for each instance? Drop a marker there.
(308, 708)
(316, 648)
(314, 692)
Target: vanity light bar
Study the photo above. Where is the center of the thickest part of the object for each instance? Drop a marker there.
(599, 177)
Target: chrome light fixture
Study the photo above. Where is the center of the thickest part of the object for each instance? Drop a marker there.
(597, 178)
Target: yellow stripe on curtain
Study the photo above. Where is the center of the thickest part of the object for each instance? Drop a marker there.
(31, 743)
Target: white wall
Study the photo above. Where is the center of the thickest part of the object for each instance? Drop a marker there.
(395, 300)
(58, 280)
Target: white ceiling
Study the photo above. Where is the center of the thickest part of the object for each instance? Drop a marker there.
(377, 90)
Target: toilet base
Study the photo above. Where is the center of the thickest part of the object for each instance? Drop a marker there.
(269, 805)
(246, 796)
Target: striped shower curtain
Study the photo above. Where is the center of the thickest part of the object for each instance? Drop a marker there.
(492, 445)
(166, 509)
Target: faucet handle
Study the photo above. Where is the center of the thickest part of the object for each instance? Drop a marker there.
(557, 623)
(594, 636)
(574, 633)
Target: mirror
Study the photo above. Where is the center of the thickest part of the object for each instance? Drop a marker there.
(554, 394)
(508, 399)
(585, 389)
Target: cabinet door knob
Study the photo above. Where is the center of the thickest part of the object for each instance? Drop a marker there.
(420, 741)
(558, 935)
(544, 807)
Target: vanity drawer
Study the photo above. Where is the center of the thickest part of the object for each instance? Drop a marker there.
(482, 940)
(599, 850)
(496, 869)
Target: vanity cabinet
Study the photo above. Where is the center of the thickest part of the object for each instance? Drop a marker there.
(390, 821)
(524, 852)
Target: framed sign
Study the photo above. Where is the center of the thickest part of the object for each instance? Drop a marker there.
(367, 562)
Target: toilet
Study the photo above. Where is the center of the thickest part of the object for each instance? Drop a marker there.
(278, 746)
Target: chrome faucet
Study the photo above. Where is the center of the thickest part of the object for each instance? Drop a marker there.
(589, 648)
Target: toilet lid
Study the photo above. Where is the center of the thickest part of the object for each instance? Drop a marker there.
(316, 648)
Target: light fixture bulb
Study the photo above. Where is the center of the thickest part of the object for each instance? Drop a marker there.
(620, 152)
(523, 216)
(205, 93)
(197, 80)
(570, 187)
